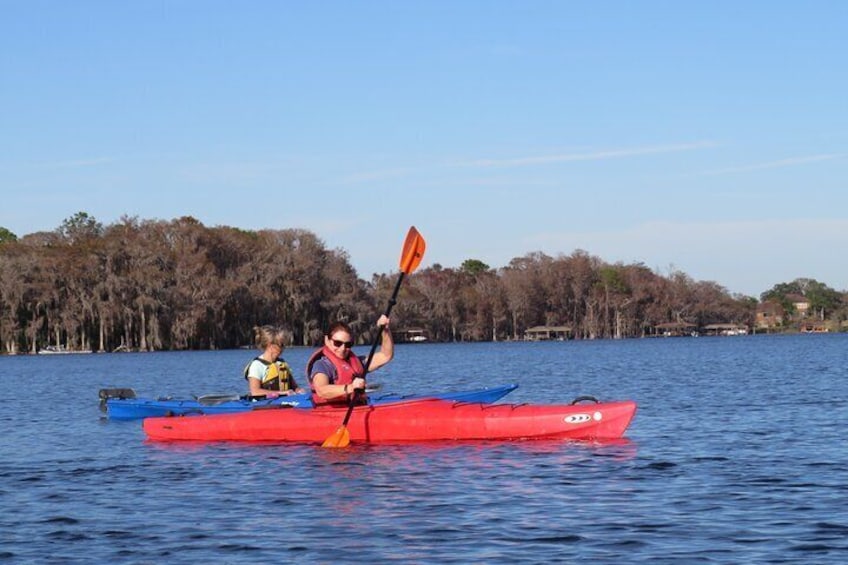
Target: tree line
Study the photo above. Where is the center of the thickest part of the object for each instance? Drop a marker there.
(173, 285)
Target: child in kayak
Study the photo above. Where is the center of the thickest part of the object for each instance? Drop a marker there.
(268, 374)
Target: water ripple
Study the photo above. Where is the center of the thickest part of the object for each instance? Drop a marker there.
(731, 459)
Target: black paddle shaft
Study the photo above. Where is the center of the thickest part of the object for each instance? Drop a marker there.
(377, 339)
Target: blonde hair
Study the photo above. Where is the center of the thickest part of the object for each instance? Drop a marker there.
(267, 335)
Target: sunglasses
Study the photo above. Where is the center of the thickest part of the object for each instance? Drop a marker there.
(339, 343)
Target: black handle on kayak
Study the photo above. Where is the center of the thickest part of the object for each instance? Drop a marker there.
(271, 406)
(116, 393)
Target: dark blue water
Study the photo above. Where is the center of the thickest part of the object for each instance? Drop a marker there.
(737, 455)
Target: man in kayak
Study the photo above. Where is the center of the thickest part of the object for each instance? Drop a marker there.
(268, 374)
(335, 373)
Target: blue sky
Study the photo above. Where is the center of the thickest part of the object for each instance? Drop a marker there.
(710, 138)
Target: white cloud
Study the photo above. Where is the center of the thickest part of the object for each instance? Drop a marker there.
(75, 163)
(588, 156)
(528, 161)
(791, 162)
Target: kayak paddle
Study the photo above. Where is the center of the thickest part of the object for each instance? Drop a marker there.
(410, 257)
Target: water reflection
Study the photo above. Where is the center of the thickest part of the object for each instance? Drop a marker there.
(732, 457)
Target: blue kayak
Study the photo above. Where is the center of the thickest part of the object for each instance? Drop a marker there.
(121, 404)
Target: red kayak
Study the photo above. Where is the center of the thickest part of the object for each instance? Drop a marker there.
(421, 420)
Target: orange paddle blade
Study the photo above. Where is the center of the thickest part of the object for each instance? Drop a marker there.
(413, 251)
(340, 438)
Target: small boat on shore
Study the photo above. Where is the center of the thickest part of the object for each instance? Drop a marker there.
(406, 421)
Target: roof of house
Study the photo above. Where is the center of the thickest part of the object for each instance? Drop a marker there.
(544, 329)
(724, 326)
(674, 325)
